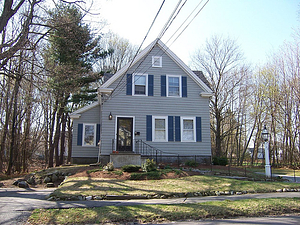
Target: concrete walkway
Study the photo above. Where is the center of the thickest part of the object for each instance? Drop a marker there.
(17, 204)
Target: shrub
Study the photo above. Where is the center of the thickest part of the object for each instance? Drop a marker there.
(222, 161)
(149, 165)
(137, 176)
(131, 168)
(191, 163)
(109, 166)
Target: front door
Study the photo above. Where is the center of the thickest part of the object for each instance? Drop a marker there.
(124, 134)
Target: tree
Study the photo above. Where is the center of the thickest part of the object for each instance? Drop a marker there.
(120, 52)
(69, 59)
(221, 62)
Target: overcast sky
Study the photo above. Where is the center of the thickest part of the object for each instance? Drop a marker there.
(259, 26)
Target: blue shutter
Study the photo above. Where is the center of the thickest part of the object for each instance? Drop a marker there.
(150, 85)
(79, 134)
(198, 129)
(129, 84)
(149, 128)
(163, 82)
(98, 134)
(170, 128)
(177, 129)
(184, 86)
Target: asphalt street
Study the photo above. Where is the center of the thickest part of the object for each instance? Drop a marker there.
(17, 204)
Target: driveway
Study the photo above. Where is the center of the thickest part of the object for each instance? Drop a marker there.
(17, 204)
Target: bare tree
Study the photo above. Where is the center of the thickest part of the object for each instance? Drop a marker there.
(221, 62)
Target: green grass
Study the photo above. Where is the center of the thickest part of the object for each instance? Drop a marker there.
(163, 213)
(87, 186)
(280, 171)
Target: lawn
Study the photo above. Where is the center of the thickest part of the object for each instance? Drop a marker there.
(87, 186)
(163, 213)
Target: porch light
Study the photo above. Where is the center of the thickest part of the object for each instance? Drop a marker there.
(110, 116)
(265, 134)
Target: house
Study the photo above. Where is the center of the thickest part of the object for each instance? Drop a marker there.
(155, 107)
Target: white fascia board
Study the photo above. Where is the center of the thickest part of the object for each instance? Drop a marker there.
(182, 65)
(105, 90)
(206, 94)
(127, 66)
(84, 109)
(75, 116)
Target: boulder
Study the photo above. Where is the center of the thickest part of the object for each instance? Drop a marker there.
(31, 180)
(47, 180)
(23, 184)
(54, 177)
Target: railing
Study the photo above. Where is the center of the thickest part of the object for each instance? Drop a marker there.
(147, 150)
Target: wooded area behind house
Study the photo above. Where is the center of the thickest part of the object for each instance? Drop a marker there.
(51, 64)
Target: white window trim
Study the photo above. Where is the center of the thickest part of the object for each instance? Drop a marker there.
(154, 58)
(180, 86)
(181, 128)
(83, 134)
(153, 128)
(133, 84)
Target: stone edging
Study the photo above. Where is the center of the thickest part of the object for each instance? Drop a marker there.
(159, 196)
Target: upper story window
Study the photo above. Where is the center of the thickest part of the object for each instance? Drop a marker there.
(140, 84)
(174, 86)
(89, 134)
(188, 131)
(156, 61)
(160, 129)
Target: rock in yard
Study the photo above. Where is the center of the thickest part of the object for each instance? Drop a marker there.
(31, 180)
(47, 180)
(54, 178)
(23, 184)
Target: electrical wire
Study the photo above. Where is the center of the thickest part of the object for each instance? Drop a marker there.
(163, 51)
(137, 52)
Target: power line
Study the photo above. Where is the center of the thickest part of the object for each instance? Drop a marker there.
(140, 45)
(167, 25)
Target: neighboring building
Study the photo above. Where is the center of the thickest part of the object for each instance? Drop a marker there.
(154, 107)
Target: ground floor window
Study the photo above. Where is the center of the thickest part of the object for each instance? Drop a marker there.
(160, 128)
(188, 132)
(89, 134)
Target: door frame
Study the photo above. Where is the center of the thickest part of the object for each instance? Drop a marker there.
(133, 131)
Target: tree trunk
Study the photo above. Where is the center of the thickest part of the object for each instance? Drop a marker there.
(13, 127)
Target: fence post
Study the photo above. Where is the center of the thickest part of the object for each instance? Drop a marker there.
(178, 160)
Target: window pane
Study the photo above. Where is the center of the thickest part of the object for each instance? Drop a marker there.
(160, 129)
(140, 80)
(188, 135)
(188, 130)
(160, 135)
(173, 91)
(159, 124)
(174, 86)
(89, 134)
(139, 84)
(188, 124)
(140, 90)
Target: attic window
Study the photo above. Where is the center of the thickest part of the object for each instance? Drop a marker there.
(156, 61)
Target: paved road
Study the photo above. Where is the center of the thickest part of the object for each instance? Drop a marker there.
(16, 204)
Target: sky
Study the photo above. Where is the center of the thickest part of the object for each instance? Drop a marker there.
(259, 27)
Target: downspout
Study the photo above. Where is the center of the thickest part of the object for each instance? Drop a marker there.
(99, 143)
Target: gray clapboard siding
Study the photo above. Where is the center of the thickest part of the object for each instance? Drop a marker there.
(140, 106)
(90, 116)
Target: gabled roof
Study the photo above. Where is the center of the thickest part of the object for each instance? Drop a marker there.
(166, 50)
